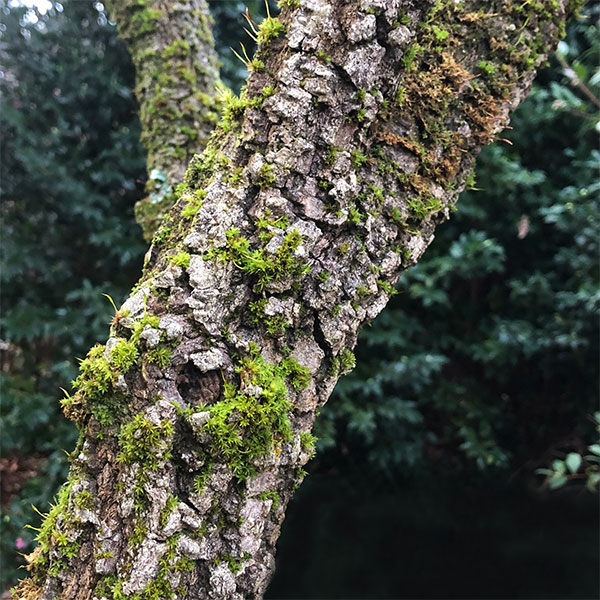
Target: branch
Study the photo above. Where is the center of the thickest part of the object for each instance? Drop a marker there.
(172, 48)
(576, 82)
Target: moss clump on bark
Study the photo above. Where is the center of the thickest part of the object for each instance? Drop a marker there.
(97, 387)
(252, 418)
(146, 444)
(262, 266)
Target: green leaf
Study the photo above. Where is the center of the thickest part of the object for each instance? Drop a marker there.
(593, 481)
(573, 461)
(595, 449)
(557, 480)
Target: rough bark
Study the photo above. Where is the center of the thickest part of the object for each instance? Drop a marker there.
(324, 181)
(172, 48)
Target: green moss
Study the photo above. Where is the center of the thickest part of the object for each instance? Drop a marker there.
(400, 95)
(386, 287)
(84, 500)
(410, 54)
(282, 222)
(244, 427)
(395, 215)
(181, 259)
(255, 65)
(58, 535)
(162, 235)
(194, 204)
(299, 477)
(96, 376)
(160, 588)
(331, 155)
(235, 177)
(67, 548)
(470, 181)
(291, 4)
(423, 206)
(323, 276)
(201, 479)
(440, 34)
(144, 21)
(487, 67)
(358, 159)
(269, 29)
(161, 356)
(187, 75)
(402, 19)
(308, 442)
(265, 178)
(169, 507)
(273, 324)
(94, 385)
(48, 527)
(263, 267)
(257, 309)
(298, 375)
(148, 320)
(234, 564)
(234, 107)
(356, 217)
(268, 91)
(270, 495)
(343, 248)
(343, 363)
(179, 48)
(184, 565)
(124, 355)
(202, 167)
(178, 152)
(362, 292)
(140, 530)
(375, 193)
(140, 441)
(323, 56)
(347, 360)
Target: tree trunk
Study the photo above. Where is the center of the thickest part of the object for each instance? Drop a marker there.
(176, 65)
(323, 182)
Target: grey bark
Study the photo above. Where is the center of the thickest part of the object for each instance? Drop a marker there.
(321, 185)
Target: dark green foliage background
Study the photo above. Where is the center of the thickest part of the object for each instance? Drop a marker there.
(482, 368)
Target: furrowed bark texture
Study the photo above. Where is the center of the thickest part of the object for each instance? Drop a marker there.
(172, 48)
(323, 182)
